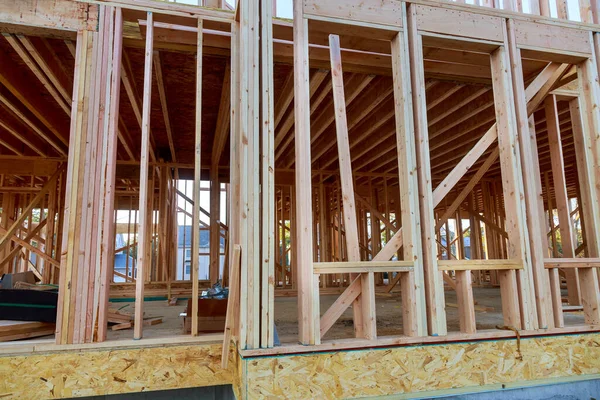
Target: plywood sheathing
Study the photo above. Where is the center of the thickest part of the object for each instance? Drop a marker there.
(423, 368)
(91, 373)
(344, 374)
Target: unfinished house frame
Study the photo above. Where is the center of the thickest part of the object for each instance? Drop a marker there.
(400, 196)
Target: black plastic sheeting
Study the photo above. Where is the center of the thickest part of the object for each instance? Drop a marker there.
(28, 305)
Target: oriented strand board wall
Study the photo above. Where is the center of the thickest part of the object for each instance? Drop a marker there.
(75, 374)
(331, 375)
(423, 368)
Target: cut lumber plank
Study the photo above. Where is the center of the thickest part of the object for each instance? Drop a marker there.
(121, 326)
(153, 321)
(17, 330)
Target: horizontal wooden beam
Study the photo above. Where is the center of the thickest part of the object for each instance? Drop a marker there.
(362, 266)
(57, 14)
(571, 263)
(478, 265)
(169, 11)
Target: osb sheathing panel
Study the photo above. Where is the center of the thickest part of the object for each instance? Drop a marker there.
(69, 374)
(424, 368)
(344, 374)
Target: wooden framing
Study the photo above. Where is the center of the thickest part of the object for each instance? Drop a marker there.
(196, 185)
(520, 315)
(308, 302)
(268, 124)
(364, 306)
(371, 144)
(433, 283)
(143, 263)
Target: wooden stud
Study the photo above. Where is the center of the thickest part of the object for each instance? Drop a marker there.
(431, 283)
(516, 313)
(561, 197)
(412, 284)
(142, 263)
(531, 182)
(109, 164)
(589, 98)
(267, 175)
(308, 305)
(364, 307)
(196, 186)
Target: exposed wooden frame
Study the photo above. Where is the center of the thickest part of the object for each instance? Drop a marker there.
(143, 264)
(109, 162)
(87, 244)
(412, 284)
(351, 267)
(433, 280)
(531, 182)
(163, 101)
(197, 178)
(570, 263)
(308, 303)
(476, 265)
(524, 314)
(267, 286)
(364, 306)
(560, 196)
(34, 202)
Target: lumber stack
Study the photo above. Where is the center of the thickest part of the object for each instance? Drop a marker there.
(17, 330)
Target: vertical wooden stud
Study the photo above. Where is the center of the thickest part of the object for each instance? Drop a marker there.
(267, 174)
(144, 224)
(425, 245)
(197, 181)
(532, 186)
(364, 306)
(412, 284)
(308, 305)
(516, 313)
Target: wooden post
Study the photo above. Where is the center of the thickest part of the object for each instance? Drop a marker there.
(109, 168)
(364, 306)
(431, 282)
(144, 225)
(532, 186)
(70, 249)
(587, 72)
(412, 284)
(521, 315)
(235, 220)
(197, 177)
(308, 305)
(560, 195)
(268, 222)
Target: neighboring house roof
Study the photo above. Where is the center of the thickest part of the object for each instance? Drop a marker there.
(121, 261)
(204, 237)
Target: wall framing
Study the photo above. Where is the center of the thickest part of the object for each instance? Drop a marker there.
(305, 213)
